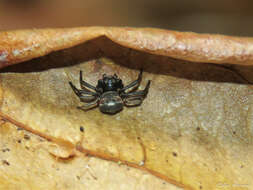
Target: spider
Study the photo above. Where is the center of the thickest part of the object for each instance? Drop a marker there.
(110, 94)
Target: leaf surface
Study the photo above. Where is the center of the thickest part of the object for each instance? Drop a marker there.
(194, 129)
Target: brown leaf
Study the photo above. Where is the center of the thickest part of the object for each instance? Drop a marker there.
(27, 165)
(194, 129)
(23, 45)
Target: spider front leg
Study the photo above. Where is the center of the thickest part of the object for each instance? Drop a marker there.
(84, 95)
(140, 93)
(135, 98)
(135, 84)
(85, 85)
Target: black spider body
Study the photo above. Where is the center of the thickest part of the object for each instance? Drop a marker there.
(109, 83)
(110, 93)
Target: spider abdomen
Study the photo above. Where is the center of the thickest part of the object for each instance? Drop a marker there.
(110, 102)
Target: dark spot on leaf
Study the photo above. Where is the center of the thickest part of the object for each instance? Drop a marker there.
(241, 166)
(200, 187)
(19, 141)
(234, 132)
(5, 150)
(26, 137)
(174, 154)
(78, 177)
(198, 128)
(81, 129)
(5, 162)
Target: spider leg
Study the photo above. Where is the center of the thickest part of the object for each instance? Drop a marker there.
(140, 93)
(89, 106)
(133, 101)
(134, 84)
(84, 95)
(84, 84)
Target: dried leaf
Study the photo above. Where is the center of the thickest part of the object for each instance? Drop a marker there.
(194, 129)
(26, 164)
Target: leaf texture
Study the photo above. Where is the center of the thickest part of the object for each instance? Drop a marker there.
(193, 130)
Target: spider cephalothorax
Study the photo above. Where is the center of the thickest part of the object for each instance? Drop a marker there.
(110, 94)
